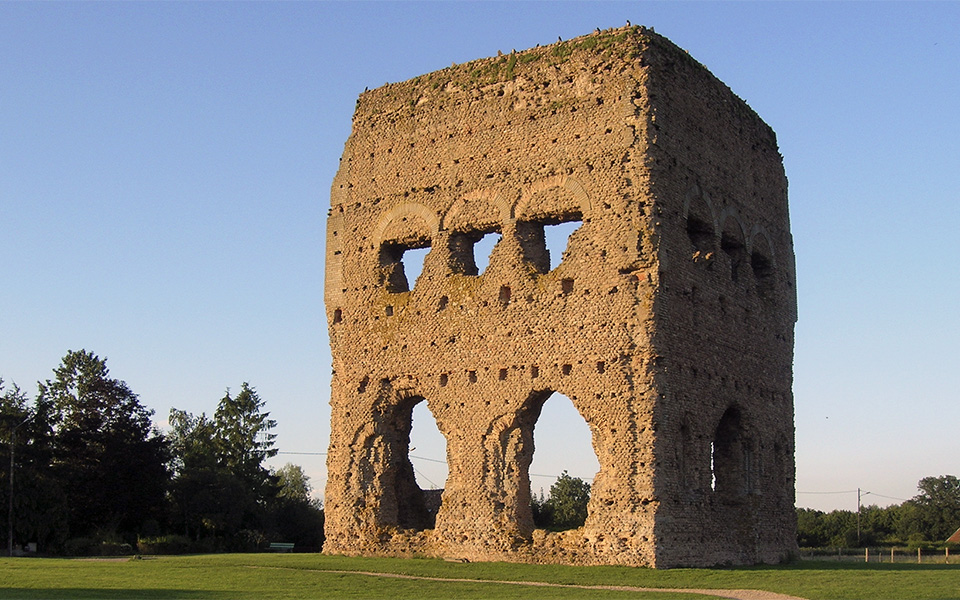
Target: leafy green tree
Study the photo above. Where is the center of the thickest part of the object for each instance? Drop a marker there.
(206, 499)
(810, 528)
(243, 439)
(221, 488)
(294, 484)
(106, 451)
(297, 516)
(567, 504)
(934, 513)
(38, 507)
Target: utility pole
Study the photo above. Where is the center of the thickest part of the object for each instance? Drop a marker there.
(13, 447)
(858, 516)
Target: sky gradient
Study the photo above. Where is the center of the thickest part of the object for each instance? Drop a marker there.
(165, 171)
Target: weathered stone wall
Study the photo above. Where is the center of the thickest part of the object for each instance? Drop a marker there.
(668, 323)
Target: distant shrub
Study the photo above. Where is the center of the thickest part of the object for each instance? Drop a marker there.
(115, 549)
(80, 547)
(167, 544)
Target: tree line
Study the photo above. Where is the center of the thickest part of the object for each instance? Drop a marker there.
(926, 520)
(91, 474)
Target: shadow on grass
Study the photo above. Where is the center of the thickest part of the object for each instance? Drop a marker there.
(108, 593)
(828, 565)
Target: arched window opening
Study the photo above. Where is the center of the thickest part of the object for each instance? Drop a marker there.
(557, 239)
(421, 469)
(428, 449)
(731, 457)
(762, 265)
(402, 263)
(470, 251)
(484, 248)
(545, 241)
(731, 242)
(564, 464)
(701, 228)
(700, 233)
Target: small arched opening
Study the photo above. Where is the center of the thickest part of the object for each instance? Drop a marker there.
(731, 242)
(402, 263)
(545, 240)
(700, 227)
(731, 457)
(470, 250)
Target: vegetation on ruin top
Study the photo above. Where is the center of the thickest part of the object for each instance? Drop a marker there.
(619, 44)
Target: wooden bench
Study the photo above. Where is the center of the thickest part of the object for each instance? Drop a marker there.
(281, 546)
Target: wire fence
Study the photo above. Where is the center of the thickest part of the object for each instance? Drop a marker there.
(883, 555)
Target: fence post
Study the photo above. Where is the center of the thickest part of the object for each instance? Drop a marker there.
(918, 556)
(946, 556)
(866, 555)
(891, 556)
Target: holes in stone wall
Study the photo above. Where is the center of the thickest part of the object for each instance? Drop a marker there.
(545, 241)
(402, 263)
(731, 457)
(700, 227)
(731, 242)
(763, 269)
(566, 285)
(337, 316)
(504, 296)
(502, 375)
(413, 436)
(563, 444)
(470, 251)
(566, 369)
(388, 310)
(557, 238)
(442, 304)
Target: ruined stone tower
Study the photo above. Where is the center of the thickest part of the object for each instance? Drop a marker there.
(668, 323)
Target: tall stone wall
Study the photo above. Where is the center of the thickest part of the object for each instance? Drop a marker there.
(668, 322)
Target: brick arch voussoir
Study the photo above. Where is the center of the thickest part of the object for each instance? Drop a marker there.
(695, 195)
(407, 209)
(452, 218)
(730, 214)
(759, 235)
(571, 184)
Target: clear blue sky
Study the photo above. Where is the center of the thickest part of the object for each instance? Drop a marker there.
(165, 172)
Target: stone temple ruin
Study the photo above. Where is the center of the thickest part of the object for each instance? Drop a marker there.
(668, 322)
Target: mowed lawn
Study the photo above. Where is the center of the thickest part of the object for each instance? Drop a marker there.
(262, 576)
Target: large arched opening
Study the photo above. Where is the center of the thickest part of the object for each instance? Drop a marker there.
(420, 457)
(428, 455)
(564, 463)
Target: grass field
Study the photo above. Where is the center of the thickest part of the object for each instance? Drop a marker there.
(240, 576)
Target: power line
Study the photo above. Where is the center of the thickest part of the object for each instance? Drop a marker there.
(305, 453)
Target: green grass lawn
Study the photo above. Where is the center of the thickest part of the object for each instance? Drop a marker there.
(301, 576)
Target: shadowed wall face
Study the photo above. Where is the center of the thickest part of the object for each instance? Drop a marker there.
(667, 321)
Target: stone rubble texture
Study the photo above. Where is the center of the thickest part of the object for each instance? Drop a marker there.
(668, 323)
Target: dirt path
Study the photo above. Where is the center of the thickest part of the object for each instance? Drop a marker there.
(730, 594)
